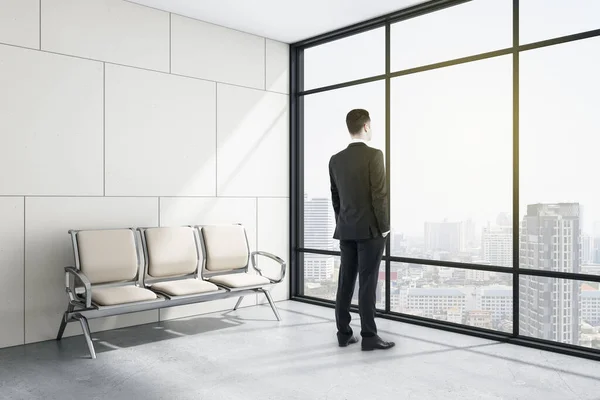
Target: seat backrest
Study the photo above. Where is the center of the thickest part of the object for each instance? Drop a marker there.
(108, 256)
(225, 248)
(171, 251)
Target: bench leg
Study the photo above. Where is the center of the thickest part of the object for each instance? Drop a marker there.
(268, 296)
(238, 303)
(88, 336)
(63, 322)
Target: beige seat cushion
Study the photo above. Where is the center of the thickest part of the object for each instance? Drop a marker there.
(121, 295)
(171, 251)
(240, 280)
(226, 247)
(108, 255)
(185, 287)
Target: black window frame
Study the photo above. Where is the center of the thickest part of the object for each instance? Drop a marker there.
(296, 210)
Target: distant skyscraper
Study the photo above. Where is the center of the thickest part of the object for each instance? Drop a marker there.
(587, 249)
(471, 235)
(445, 236)
(318, 234)
(596, 253)
(318, 224)
(398, 244)
(596, 227)
(549, 307)
(497, 246)
(504, 219)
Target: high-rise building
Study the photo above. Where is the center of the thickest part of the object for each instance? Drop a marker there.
(318, 224)
(497, 245)
(445, 237)
(596, 250)
(587, 249)
(471, 235)
(550, 240)
(398, 243)
(318, 234)
(590, 305)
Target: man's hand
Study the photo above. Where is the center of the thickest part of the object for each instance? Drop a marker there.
(386, 233)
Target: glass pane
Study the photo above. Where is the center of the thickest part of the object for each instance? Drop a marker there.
(464, 30)
(560, 310)
(320, 275)
(475, 298)
(325, 134)
(548, 19)
(321, 279)
(451, 163)
(560, 201)
(355, 57)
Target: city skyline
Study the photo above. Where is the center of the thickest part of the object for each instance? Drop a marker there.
(549, 308)
(593, 232)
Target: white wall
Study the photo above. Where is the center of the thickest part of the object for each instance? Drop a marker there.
(116, 115)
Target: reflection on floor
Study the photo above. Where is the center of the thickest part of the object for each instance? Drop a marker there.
(247, 355)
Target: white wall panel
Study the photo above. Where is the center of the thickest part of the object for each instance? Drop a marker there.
(11, 271)
(207, 211)
(278, 67)
(160, 134)
(273, 237)
(20, 22)
(252, 142)
(219, 54)
(108, 30)
(48, 251)
(96, 113)
(51, 124)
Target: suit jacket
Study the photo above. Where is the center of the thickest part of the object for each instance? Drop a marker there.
(359, 193)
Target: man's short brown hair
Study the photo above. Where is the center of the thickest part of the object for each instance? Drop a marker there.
(356, 119)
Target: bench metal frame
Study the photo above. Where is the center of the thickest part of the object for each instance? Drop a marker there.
(265, 289)
(79, 289)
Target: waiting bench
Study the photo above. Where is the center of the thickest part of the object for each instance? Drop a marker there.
(121, 271)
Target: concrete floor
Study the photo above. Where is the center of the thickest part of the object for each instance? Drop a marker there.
(247, 355)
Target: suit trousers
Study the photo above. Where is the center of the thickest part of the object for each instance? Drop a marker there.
(362, 258)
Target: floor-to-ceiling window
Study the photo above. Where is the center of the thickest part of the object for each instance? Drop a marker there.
(487, 113)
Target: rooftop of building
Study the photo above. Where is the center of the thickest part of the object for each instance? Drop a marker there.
(435, 292)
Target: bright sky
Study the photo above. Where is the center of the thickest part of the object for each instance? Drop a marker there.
(451, 138)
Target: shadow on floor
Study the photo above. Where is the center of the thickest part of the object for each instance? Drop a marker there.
(105, 341)
(138, 335)
(475, 349)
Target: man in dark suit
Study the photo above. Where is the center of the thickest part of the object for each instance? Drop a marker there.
(360, 203)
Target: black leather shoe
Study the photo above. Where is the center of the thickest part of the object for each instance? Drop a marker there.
(346, 341)
(376, 343)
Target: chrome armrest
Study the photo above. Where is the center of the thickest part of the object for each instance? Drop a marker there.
(272, 257)
(83, 279)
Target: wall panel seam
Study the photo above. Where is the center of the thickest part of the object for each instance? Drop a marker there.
(140, 68)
